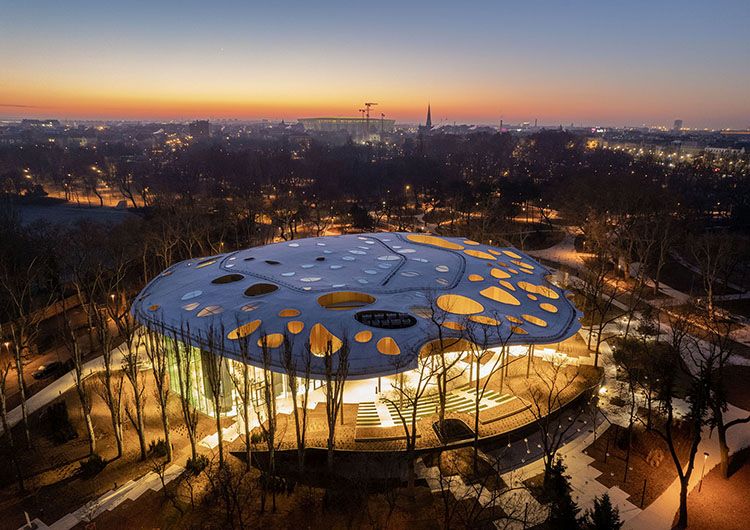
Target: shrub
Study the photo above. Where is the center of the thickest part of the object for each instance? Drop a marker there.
(158, 447)
(197, 465)
(92, 466)
(257, 437)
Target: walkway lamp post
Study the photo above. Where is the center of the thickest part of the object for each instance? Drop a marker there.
(703, 471)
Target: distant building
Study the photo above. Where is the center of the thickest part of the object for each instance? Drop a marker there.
(725, 151)
(33, 124)
(677, 127)
(199, 129)
(427, 127)
(352, 126)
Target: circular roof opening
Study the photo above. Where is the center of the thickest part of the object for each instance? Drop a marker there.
(385, 319)
(258, 289)
(344, 300)
(227, 278)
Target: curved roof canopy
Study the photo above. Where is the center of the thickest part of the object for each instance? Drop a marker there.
(390, 295)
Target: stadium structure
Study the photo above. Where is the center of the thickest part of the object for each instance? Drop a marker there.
(353, 126)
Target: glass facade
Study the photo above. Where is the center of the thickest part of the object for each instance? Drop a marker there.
(208, 371)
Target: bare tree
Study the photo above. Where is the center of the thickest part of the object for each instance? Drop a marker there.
(110, 388)
(687, 359)
(156, 351)
(132, 336)
(244, 385)
(481, 335)
(717, 348)
(73, 343)
(236, 491)
(600, 298)
(184, 367)
(5, 366)
(642, 235)
(664, 233)
(336, 372)
(442, 351)
(629, 356)
(24, 324)
(405, 401)
(480, 500)
(214, 365)
(266, 413)
(545, 395)
(300, 397)
(717, 257)
(320, 217)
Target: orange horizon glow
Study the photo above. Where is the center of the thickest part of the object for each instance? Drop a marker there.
(591, 64)
(75, 103)
(142, 100)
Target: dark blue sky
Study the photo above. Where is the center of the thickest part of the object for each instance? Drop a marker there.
(594, 62)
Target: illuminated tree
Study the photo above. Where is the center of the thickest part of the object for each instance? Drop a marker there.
(300, 396)
(336, 372)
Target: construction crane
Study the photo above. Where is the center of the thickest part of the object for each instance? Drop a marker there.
(367, 115)
(362, 112)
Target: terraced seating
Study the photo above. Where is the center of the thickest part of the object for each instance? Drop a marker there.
(428, 405)
(367, 415)
(493, 396)
(464, 401)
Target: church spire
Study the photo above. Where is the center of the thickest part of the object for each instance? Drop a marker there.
(428, 124)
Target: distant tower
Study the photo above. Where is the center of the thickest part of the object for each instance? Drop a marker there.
(677, 127)
(427, 127)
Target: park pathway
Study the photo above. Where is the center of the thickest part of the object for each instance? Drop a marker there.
(660, 513)
(129, 491)
(61, 385)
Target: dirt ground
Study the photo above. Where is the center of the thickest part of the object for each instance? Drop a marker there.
(722, 504)
(50, 470)
(302, 508)
(657, 478)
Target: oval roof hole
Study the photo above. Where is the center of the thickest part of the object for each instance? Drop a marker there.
(343, 300)
(227, 278)
(258, 289)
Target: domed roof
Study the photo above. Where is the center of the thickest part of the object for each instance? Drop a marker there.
(388, 294)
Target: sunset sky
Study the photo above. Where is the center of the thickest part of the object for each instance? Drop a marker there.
(561, 61)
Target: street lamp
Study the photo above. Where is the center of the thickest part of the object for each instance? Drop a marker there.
(703, 471)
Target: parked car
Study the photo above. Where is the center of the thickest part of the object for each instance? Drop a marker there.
(48, 370)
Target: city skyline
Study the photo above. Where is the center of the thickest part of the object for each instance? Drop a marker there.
(615, 66)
